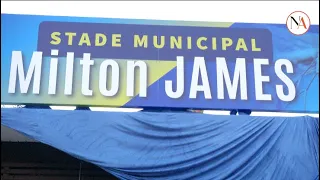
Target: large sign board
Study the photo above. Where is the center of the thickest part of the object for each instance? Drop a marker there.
(142, 63)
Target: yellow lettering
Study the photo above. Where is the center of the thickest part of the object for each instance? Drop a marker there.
(85, 39)
(214, 43)
(55, 38)
(254, 45)
(100, 39)
(175, 43)
(70, 37)
(156, 44)
(189, 42)
(241, 44)
(226, 42)
(199, 43)
(116, 38)
(140, 41)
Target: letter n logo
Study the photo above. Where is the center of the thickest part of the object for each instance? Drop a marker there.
(298, 23)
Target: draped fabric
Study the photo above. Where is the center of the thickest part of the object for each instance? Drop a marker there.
(159, 145)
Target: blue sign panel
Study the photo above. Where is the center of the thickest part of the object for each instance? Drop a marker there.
(142, 63)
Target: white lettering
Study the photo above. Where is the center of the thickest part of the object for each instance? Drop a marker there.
(17, 68)
(68, 84)
(180, 81)
(240, 76)
(86, 62)
(259, 79)
(131, 78)
(53, 72)
(283, 77)
(199, 68)
(103, 77)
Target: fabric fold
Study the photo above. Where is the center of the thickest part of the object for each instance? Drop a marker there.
(158, 145)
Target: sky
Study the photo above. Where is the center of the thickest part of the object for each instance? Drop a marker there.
(223, 11)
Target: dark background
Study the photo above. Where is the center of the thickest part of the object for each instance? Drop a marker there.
(37, 161)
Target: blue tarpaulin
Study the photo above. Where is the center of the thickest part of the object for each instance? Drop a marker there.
(159, 145)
